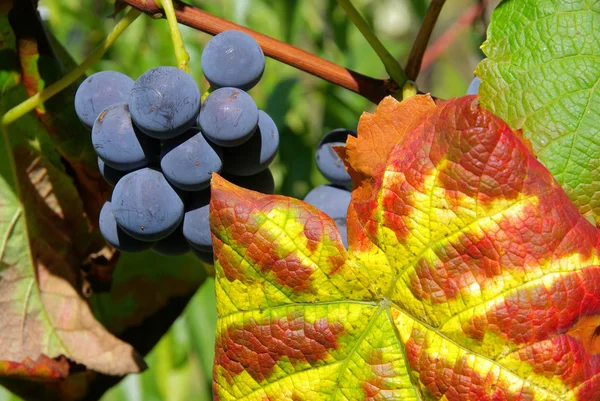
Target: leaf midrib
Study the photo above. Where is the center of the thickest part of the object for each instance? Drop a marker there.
(299, 304)
(376, 312)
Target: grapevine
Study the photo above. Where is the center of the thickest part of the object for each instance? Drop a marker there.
(445, 249)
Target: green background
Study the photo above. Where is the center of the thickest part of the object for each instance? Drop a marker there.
(304, 108)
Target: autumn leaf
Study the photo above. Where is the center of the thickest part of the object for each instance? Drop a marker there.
(46, 239)
(470, 275)
(43, 367)
(370, 151)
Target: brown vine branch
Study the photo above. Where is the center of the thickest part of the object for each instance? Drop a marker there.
(373, 89)
(451, 34)
(415, 59)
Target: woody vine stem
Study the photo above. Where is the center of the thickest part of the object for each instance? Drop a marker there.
(401, 85)
(371, 88)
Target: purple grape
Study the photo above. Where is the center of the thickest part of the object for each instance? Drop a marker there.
(188, 161)
(328, 162)
(145, 206)
(257, 153)
(474, 86)
(164, 102)
(114, 235)
(196, 228)
(119, 144)
(111, 175)
(99, 91)
(233, 58)
(228, 117)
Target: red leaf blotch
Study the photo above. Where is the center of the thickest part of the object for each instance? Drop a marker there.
(458, 381)
(532, 314)
(562, 356)
(43, 367)
(257, 347)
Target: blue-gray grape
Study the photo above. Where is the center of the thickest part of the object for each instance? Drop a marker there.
(228, 117)
(474, 86)
(196, 228)
(189, 160)
(118, 143)
(233, 58)
(164, 102)
(111, 175)
(328, 162)
(257, 153)
(145, 205)
(114, 235)
(260, 182)
(331, 200)
(334, 202)
(175, 244)
(99, 91)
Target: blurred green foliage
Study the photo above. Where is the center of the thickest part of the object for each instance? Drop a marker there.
(304, 108)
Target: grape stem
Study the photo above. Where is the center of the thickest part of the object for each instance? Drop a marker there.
(40, 97)
(181, 54)
(371, 88)
(391, 65)
(415, 59)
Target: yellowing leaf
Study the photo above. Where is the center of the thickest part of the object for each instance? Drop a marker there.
(470, 276)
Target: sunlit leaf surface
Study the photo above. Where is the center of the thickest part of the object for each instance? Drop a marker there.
(470, 274)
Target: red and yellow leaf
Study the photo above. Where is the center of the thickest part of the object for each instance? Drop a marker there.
(470, 275)
(43, 367)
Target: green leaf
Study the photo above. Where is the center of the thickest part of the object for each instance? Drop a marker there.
(541, 76)
(470, 275)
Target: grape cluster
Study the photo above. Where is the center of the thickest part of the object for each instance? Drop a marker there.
(158, 144)
(333, 199)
